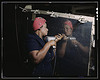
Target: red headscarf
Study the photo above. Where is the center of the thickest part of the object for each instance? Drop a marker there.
(69, 23)
(38, 22)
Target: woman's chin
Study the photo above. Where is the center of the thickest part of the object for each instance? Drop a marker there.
(46, 34)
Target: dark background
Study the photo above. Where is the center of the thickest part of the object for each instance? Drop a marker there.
(15, 26)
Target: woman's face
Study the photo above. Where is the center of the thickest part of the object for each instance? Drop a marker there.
(68, 30)
(44, 30)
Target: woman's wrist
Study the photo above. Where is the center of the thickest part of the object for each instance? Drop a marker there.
(49, 44)
(52, 43)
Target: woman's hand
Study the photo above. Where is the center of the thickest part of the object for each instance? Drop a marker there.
(64, 37)
(52, 43)
(83, 48)
(58, 37)
(75, 42)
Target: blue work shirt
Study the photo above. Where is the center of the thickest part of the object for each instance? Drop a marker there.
(44, 68)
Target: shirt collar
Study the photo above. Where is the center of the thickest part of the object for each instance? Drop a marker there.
(39, 39)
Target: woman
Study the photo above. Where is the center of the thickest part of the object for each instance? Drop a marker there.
(41, 53)
(72, 54)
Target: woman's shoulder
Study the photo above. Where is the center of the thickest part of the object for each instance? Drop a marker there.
(30, 35)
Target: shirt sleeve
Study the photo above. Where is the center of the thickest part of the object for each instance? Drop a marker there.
(32, 44)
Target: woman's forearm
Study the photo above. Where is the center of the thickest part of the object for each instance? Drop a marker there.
(41, 54)
(83, 48)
